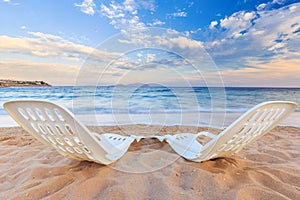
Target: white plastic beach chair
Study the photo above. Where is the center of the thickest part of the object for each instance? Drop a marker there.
(248, 128)
(55, 126)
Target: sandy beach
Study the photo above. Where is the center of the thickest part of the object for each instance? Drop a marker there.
(266, 169)
(144, 69)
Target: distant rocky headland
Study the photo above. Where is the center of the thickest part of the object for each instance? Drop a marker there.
(11, 83)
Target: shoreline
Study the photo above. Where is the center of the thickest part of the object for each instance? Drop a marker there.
(216, 120)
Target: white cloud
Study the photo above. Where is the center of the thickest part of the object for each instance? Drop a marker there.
(49, 46)
(87, 7)
(261, 6)
(278, 2)
(156, 22)
(238, 22)
(184, 43)
(23, 27)
(213, 24)
(151, 57)
(293, 8)
(124, 16)
(271, 4)
(179, 14)
(10, 2)
(263, 35)
(276, 46)
(161, 38)
(46, 37)
(147, 5)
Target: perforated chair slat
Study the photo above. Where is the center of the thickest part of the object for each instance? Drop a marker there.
(248, 128)
(55, 126)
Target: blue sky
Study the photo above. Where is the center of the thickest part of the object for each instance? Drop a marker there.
(252, 43)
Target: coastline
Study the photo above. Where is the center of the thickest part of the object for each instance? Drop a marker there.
(16, 83)
(218, 120)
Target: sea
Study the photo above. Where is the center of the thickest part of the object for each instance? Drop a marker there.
(152, 104)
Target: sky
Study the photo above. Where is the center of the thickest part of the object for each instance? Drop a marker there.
(242, 43)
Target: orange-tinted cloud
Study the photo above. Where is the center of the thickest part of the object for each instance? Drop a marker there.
(281, 73)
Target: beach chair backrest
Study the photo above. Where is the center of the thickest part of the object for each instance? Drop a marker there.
(55, 126)
(249, 127)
